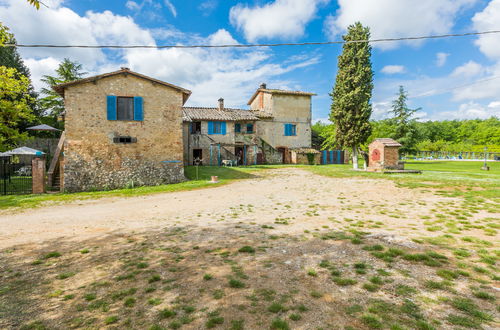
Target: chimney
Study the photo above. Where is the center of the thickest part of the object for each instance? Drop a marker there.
(263, 86)
(221, 104)
(125, 68)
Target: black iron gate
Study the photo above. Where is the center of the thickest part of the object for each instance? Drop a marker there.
(15, 178)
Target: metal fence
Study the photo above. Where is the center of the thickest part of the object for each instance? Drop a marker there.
(15, 178)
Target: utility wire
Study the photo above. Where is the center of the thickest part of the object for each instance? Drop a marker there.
(257, 45)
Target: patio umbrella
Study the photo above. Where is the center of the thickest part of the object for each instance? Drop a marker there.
(43, 127)
(23, 151)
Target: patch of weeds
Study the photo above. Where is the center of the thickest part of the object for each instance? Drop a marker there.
(188, 309)
(316, 294)
(295, 317)
(276, 308)
(236, 284)
(218, 294)
(208, 277)
(123, 293)
(376, 247)
(325, 264)
(111, 319)
(154, 278)
(66, 275)
(372, 321)
(356, 241)
(247, 249)
(447, 274)
(405, 290)
(434, 285)
(167, 313)
(279, 324)
(463, 321)
(411, 309)
(129, 302)
(376, 280)
(371, 287)
(90, 296)
(312, 272)
(35, 325)
(68, 297)
(483, 295)
(142, 265)
(342, 281)
(463, 253)
(84, 251)
(467, 306)
(383, 272)
(354, 309)
(149, 290)
(98, 304)
(154, 301)
(214, 320)
(237, 325)
(175, 325)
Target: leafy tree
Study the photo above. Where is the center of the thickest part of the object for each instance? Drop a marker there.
(405, 130)
(351, 108)
(53, 103)
(10, 58)
(15, 108)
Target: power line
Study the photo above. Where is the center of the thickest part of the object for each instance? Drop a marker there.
(257, 45)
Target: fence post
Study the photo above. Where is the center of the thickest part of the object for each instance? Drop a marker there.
(38, 175)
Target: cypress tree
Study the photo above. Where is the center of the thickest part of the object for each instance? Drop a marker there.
(351, 108)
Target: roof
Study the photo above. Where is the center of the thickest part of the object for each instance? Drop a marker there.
(23, 151)
(60, 88)
(388, 142)
(43, 127)
(227, 114)
(278, 91)
(262, 114)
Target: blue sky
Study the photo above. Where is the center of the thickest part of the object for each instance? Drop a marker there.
(448, 78)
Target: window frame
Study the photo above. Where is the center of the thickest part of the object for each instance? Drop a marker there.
(237, 127)
(131, 100)
(252, 130)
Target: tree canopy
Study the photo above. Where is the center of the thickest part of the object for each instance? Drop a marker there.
(351, 108)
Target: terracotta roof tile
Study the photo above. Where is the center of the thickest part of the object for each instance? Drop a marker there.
(388, 142)
(278, 91)
(228, 114)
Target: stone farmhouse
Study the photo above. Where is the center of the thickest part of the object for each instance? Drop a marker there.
(126, 129)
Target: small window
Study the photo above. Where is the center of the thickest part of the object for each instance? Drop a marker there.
(290, 130)
(237, 128)
(124, 139)
(196, 127)
(249, 128)
(125, 108)
(217, 127)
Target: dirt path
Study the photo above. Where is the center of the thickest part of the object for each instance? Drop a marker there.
(296, 197)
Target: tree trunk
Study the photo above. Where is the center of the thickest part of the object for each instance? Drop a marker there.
(355, 158)
(365, 159)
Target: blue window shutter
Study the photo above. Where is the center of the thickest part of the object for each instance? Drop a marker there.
(111, 107)
(286, 129)
(138, 112)
(223, 128)
(210, 128)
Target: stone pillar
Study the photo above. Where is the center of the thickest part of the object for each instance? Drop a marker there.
(38, 175)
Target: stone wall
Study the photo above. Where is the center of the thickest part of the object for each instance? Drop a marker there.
(94, 162)
(383, 157)
(303, 159)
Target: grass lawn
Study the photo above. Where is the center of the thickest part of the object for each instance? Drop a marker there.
(225, 174)
(452, 177)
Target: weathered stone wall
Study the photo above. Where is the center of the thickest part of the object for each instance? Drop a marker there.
(285, 109)
(382, 157)
(93, 161)
(302, 159)
(391, 157)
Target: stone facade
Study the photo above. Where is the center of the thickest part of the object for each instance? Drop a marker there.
(38, 175)
(306, 157)
(93, 160)
(384, 155)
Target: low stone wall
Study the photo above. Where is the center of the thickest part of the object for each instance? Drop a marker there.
(82, 175)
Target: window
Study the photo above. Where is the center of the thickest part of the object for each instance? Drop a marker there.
(217, 127)
(124, 108)
(237, 128)
(124, 139)
(290, 130)
(249, 128)
(196, 127)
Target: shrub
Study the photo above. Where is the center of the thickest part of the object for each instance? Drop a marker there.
(247, 249)
(279, 324)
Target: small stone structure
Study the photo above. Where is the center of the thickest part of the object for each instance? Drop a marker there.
(305, 156)
(384, 155)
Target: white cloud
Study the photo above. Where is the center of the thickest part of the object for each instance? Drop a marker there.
(487, 20)
(278, 19)
(470, 110)
(441, 59)
(208, 6)
(469, 69)
(393, 69)
(209, 73)
(132, 5)
(171, 7)
(396, 18)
